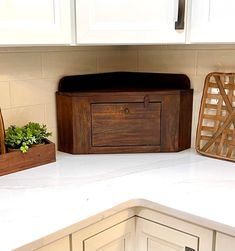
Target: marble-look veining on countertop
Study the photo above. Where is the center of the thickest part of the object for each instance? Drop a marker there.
(42, 200)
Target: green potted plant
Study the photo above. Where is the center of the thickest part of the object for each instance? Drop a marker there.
(38, 132)
(22, 138)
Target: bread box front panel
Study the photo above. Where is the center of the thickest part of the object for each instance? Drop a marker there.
(126, 124)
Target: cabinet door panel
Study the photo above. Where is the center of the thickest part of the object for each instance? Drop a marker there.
(127, 21)
(117, 238)
(212, 21)
(152, 236)
(35, 22)
(224, 242)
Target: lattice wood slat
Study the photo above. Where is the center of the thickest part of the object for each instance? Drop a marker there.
(2, 135)
(216, 124)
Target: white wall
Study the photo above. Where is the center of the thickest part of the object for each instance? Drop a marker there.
(29, 75)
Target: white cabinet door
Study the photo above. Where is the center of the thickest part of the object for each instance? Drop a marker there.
(212, 21)
(224, 242)
(129, 21)
(116, 238)
(152, 236)
(120, 237)
(60, 245)
(35, 22)
(170, 233)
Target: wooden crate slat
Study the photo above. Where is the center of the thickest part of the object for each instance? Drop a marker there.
(226, 141)
(211, 129)
(214, 117)
(2, 135)
(226, 86)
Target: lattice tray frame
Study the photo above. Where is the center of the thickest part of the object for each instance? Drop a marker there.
(216, 125)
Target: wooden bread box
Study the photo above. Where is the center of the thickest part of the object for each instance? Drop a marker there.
(124, 112)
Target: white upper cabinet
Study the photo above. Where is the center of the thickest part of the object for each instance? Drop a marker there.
(29, 22)
(52, 22)
(212, 21)
(130, 21)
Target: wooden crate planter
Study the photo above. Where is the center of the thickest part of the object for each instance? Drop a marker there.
(38, 155)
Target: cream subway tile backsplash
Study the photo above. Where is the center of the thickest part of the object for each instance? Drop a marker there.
(53, 138)
(221, 60)
(129, 60)
(195, 79)
(58, 64)
(5, 101)
(29, 75)
(50, 114)
(164, 60)
(22, 115)
(108, 61)
(33, 92)
(14, 66)
(197, 83)
(118, 59)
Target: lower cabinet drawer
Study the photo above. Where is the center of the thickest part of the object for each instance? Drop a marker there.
(126, 124)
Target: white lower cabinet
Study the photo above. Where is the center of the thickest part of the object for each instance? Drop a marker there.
(116, 238)
(116, 233)
(224, 242)
(152, 236)
(59, 245)
(159, 232)
(120, 237)
(142, 230)
(145, 231)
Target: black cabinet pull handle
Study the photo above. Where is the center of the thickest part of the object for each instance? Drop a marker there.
(189, 249)
(179, 24)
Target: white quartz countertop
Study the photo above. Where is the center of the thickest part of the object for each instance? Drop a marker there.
(37, 202)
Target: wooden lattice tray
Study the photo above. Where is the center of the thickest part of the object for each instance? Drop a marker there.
(215, 131)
